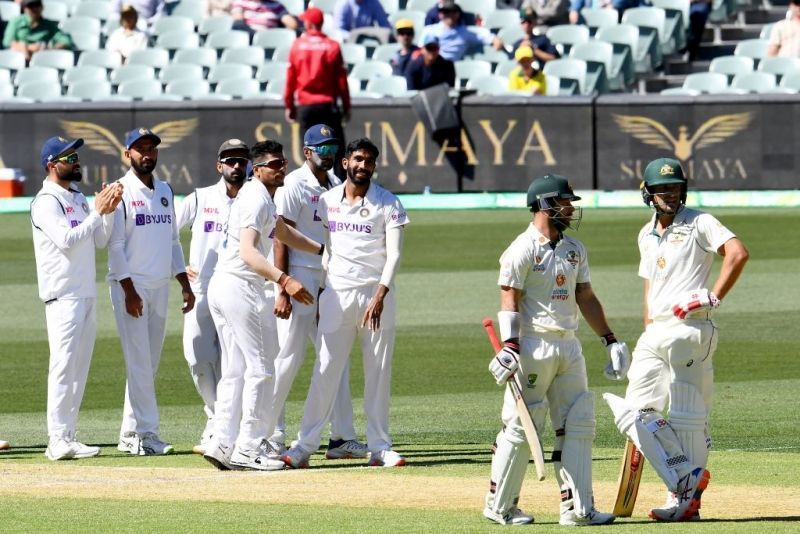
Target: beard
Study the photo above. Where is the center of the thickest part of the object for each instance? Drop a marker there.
(144, 167)
(235, 177)
(356, 179)
(72, 175)
(323, 164)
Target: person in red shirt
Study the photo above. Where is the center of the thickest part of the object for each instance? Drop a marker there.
(316, 80)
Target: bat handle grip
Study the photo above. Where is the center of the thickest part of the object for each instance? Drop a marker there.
(495, 341)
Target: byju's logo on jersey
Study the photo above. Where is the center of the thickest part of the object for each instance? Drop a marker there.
(212, 226)
(144, 219)
(355, 228)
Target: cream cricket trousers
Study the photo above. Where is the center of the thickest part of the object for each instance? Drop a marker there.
(71, 331)
(294, 334)
(245, 324)
(142, 340)
(202, 351)
(340, 313)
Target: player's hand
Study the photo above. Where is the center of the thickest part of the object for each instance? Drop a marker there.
(296, 290)
(134, 304)
(505, 363)
(702, 299)
(188, 300)
(283, 305)
(289, 114)
(372, 316)
(619, 361)
(191, 273)
(106, 200)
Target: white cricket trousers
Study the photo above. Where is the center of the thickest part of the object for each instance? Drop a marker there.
(340, 313)
(142, 340)
(202, 351)
(71, 331)
(294, 334)
(245, 324)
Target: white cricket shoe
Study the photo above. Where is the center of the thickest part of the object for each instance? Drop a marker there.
(59, 449)
(151, 445)
(296, 458)
(84, 451)
(687, 499)
(4, 445)
(515, 516)
(341, 450)
(257, 459)
(570, 519)
(129, 442)
(219, 455)
(276, 447)
(386, 458)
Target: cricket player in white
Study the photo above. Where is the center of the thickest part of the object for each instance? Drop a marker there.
(672, 360)
(364, 236)
(243, 316)
(544, 281)
(297, 202)
(206, 211)
(65, 234)
(143, 254)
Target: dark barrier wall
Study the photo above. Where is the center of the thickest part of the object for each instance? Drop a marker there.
(748, 142)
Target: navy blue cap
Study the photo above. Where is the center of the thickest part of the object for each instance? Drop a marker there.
(429, 40)
(140, 133)
(55, 146)
(319, 134)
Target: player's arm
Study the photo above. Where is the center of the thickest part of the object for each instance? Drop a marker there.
(112, 196)
(735, 256)
(187, 210)
(619, 359)
(280, 255)
(248, 239)
(645, 308)
(179, 266)
(48, 216)
(290, 236)
(394, 247)
(506, 361)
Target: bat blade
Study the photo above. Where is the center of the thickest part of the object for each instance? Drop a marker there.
(630, 475)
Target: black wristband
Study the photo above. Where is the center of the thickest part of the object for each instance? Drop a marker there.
(321, 249)
(608, 339)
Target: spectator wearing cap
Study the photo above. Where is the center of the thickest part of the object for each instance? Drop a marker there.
(349, 15)
(784, 41)
(430, 68)
(149, 10)
(405, 38)
(316, 90)
(455, 39)
(30, 32)
(254, 15)
(432, 15)
(543, 49)
(548, 12)
(144, 253)
(205, 210)
(575, 7)
(527, 77)
(65, 235)
(128, 37)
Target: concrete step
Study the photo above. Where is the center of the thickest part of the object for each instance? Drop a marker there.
(681, 67)
(707, 51)
(657, 84)
(764, 16)
(735, 32)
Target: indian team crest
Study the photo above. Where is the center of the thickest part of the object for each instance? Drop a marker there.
(325, 131)
(164, 202)
(85, 207)
(364, 212)
(560, 280)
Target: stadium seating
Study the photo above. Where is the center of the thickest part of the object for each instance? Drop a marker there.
(9, 10)
(385, 52)
(129, 73)
(180, 71)
(92, 90)
(565, 36)
(779, 66)
(228, 71)
(706, 82)
(37, 75)
(205, 57)
(273, 39)
(731, 65)
(141, 89)
(392, 86)
(177, 40)
(754, 48)
(363, 72)
(39, 91)
(491, 84)
(83, 41)
(215, 23)
(650, 22)
(103, 58)
(158, 58)
(754, 82)
(244, 87)
(85, 73)
(791, 80)
(98, 9)
(501, 18)
(57, 59)
(192, 9)
(270, 71)
(598, 54)
(12, 60)
(680, 91)
(188, 89)
(227, 39)
(253, 56)
(471, 68)
(599, 18)
(570, 73)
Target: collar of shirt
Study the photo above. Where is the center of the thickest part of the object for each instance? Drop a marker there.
(680, 217)
(53, 188)
(310, 178)
(541, 240)
(133, 181)
(368, 196)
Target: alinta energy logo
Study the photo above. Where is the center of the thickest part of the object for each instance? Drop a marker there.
(103, 140)
(714, 130)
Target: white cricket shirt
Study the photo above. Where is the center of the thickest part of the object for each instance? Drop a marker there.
(254, 209)
(65, 233)
(298, 201)
(144, 243)
(547, 278)
(357, 234)
(680, 260)
(206, 210)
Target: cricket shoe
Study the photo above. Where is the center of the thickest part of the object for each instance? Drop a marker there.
(65, 448)
(515, 516)
(277, 447)
(340, 449)
(200, 448)
(257, 459)
(690, 489)
(386, 458)
(296, 458)
(4, 445)
(571, 519)
(129, 442)
(219, 455)
(151, 445)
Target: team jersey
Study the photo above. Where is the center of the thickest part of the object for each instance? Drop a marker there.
(254, 209)
(206, 211)
(144, 243)
(547, 277)
(357, 234)
(298, 201)
(680, 260)
(65, 233)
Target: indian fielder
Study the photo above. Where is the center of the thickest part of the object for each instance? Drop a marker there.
(206, 211)
(65, 234)
(242, 310)
(544, 281)
(298, 205)
(144, 253)
(672, 361)
(364, 236)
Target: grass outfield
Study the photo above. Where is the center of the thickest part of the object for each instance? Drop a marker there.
(445, 408)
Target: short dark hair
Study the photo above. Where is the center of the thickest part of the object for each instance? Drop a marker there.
(268, 146)
(362, 143)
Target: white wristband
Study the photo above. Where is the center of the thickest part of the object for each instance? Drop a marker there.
(508, 322)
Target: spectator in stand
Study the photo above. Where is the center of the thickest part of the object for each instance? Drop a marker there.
(349, 15)
(127, 37)
(527, 77)
(408, 50)
(149, 10)
(576, 6)
(316, 81)
(455, 40)
(432, 15)
(254, 15)
(543, 49)
(784, 41)
(699, 10)
(550, 12)
(213, 8)
(28, 33)
(430, 68)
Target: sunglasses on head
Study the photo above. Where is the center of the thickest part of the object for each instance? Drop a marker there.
(275, 164)
(232, 162)
(70, 159)
(325, 150)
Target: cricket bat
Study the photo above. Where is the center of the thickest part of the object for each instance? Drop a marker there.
(522, 409)
(630, 474)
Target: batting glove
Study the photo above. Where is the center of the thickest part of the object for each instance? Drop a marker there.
(702, 299)
(505, 363)
(619, 358)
